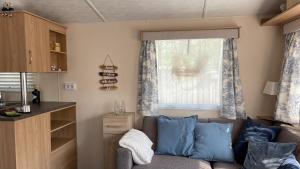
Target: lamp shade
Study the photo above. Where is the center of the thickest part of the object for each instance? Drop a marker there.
(271, 88)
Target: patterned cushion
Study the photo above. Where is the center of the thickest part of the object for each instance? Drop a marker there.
(267, 155)
(253, 131)
(290, 163)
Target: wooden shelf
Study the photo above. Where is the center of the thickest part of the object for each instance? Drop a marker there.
(56, 71)
(285, 17)
(53, 51)
(59, 124)
(57, 143)
(58, 58)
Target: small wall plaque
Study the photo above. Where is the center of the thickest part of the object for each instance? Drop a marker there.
(108, 75)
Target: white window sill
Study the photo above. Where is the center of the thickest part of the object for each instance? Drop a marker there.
(189, 107)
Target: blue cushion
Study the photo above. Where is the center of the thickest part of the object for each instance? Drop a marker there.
(254, 131)
(290, 163)
(267, 155)
(175, 136)
(213, 142)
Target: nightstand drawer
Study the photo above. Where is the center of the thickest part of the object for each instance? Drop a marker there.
(115, 126)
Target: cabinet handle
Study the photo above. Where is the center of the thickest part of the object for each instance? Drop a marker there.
(30, 57)
(113, 126)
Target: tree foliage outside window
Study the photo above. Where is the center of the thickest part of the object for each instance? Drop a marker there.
(189, 73)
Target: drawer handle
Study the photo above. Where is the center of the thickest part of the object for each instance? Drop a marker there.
(113, 126)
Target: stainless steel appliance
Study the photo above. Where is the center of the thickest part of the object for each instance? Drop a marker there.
(25, 108)
(2, 103)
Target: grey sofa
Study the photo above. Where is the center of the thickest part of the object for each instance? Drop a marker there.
(124, 158)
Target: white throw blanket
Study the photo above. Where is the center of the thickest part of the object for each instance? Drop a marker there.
(139, 145)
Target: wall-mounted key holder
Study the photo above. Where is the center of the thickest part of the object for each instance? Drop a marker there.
(108, 75)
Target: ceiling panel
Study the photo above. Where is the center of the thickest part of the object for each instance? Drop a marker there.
(115, 10)
(216, 8)
(59, 10)
(149, 9)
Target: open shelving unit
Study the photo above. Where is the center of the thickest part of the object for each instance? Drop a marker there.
(59, 124)
(63, 138)
(285, 17)
(58, 58)
(63, 128)
(59, 142)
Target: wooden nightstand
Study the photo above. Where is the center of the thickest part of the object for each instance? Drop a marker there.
(114, 126)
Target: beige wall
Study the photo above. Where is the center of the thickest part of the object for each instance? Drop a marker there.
(88, 43)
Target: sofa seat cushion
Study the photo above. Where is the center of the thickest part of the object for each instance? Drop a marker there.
(174, 162)
(220, 165)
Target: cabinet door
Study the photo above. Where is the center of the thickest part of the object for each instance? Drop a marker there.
(37, 44)
(111, 144)
(32, 141)
(12, 43)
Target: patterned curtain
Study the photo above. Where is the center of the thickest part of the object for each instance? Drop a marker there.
(233, 106)
(147, 82)
(288, 101)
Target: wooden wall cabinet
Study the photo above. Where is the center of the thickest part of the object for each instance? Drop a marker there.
(25, 44)
(45, 141)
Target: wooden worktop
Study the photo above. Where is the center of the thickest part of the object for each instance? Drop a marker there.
(37, 109)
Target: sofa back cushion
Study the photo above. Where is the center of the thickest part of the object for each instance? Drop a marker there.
(150, 129)
(290, 134)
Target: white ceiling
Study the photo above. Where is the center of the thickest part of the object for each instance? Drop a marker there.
(117, 10)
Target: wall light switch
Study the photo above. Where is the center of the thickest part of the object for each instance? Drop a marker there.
(70, 86)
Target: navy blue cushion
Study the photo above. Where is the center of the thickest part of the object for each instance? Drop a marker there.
(253, 131)
(213, 142)
(290, 163)
(267, 155)
(175, 135)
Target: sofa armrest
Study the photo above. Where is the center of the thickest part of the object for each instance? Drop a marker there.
(124, 159)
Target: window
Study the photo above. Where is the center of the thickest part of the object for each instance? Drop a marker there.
(11, 81)
(189, 73)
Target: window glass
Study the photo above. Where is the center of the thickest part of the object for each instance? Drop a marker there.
(189, 73)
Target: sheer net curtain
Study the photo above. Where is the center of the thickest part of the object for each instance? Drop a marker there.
(189, 73)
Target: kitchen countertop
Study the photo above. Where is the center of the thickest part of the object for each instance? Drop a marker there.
(37, 109)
